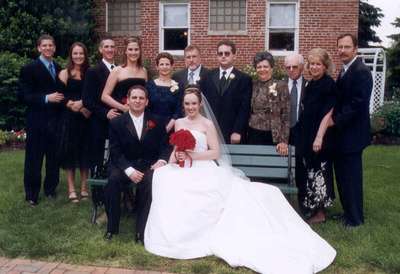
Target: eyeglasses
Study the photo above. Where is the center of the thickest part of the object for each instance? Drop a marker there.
(291, 67)
(224, 53)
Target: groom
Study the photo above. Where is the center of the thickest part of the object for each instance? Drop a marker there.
(138, 145)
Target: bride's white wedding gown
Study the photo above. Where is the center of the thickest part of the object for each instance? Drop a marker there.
(206, 210)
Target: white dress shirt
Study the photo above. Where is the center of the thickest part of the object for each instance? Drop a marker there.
(196, 74)
(108, 65)
(228, 72)
(346, 66)
(138, 123)
(299, 85)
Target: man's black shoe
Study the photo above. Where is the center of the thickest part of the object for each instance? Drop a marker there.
(138, 239)
(108, 236)
(52, 196)
(32, 203)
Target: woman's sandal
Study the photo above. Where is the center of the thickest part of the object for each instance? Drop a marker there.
(73, 198)
(84, 195)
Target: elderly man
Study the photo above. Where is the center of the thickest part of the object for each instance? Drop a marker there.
(294, 65)
(352, 125)
(193, 72)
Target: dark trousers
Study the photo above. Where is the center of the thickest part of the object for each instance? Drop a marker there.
(300, 174)
(40, 143)
(117, 182)
(259, 137)
(348, 172)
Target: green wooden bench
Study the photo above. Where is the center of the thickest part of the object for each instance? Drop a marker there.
(259, 163)
(264, 164)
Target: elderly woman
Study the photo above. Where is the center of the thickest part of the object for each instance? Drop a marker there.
(270, 103)
(314, 137)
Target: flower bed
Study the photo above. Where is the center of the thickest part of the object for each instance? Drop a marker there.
(12, 139)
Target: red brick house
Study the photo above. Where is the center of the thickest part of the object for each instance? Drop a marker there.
(279, 26)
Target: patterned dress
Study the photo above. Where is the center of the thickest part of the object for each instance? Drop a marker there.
(319, 98)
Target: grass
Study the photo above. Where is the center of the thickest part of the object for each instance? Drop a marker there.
(61, 231)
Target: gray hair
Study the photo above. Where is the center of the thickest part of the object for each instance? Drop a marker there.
(297, 56)
(261, 56)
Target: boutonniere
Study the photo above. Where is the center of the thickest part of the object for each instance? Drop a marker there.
(174, 86)
(231, 76)
(272, 89)
(151, 124)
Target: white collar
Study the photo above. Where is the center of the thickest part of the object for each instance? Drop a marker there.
(136, 118)
(108, 65)
(346, 66)
(228, 72)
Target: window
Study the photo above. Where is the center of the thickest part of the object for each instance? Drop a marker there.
(227, 16)
(282, 29)
(123, 17)
(174, 27)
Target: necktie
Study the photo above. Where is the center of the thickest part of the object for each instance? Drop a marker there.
(293, 104)
(342, 72)
(52, 70)
(222, 82)
(112, 67)
(191, 77)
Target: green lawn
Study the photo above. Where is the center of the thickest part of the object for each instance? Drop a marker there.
(60, 231)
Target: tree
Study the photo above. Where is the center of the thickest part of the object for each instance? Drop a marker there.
(22, 22)
(393, 54)
(369, 16)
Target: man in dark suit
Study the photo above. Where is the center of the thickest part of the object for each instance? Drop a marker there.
(38, 89)
(138, 145)
(95, 80)
(294, 66)
(352, 127)
(228, 91)
(194, 71)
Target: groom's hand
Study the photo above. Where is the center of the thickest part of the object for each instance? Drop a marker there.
(158, 164)
(136, 176)
(235, 138)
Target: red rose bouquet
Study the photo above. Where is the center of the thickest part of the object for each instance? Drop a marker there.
(183, 140)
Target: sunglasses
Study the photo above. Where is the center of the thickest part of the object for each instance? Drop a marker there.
(224, 53)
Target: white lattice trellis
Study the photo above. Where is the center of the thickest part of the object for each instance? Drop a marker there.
(375, 59)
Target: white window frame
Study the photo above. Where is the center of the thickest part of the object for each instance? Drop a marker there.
(227, 32)
(296, 28)
(138, 33)
(161, 27)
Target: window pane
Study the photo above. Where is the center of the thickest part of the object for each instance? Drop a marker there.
(230, 13)
(175, 15)
(175, 39)
(281, 40)
(282, 15)
(124, 15)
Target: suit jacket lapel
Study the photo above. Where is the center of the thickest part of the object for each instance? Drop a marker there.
(215, 79)
(46, 71)
(231, 81)
(130, 126)
(144, 127)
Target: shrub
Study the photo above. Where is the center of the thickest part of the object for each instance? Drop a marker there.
(278, 73)
(387, 119)
(12, 112)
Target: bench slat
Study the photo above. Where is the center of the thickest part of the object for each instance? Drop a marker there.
(264, 172)
(268, 161)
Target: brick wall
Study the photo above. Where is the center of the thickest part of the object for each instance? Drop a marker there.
(321, 21)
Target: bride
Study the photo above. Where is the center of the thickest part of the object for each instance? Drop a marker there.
(207, 209)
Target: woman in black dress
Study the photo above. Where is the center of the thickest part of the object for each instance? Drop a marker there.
(313, 142)
(74, 135)
(165, 94)
(121, 78)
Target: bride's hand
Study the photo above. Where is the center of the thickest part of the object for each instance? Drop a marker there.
(180, 156)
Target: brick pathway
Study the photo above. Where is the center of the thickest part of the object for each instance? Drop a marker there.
(22, 266)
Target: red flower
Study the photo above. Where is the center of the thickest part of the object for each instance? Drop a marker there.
(183, 140)
(151, 124)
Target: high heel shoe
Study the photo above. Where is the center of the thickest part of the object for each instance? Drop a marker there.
(73, 197)
(84, 195)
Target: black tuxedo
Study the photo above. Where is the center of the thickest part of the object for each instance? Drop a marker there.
(181, 76)
(95, 80)
(300, 169)
(127, 150)
(352, 135)
(231, 106)
(41, 122)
